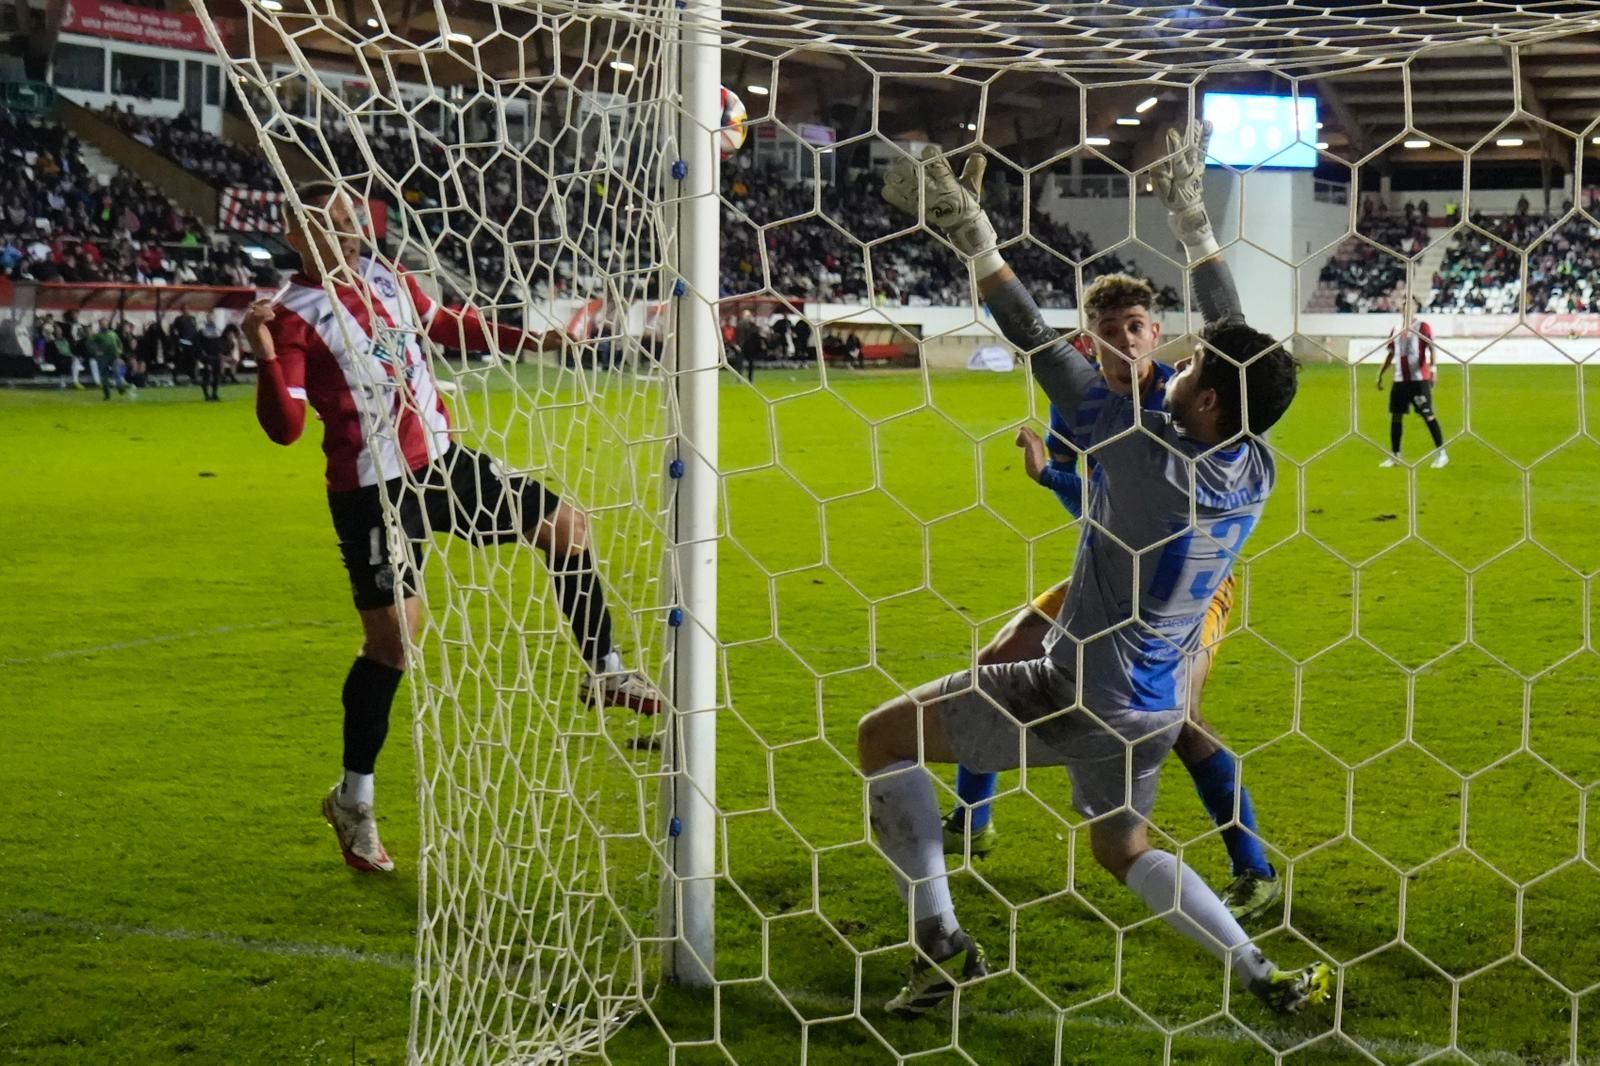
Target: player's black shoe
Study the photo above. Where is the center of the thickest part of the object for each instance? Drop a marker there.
(931, 983)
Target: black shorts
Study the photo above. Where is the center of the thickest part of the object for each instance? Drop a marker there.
(464, 493)
(1411, 395)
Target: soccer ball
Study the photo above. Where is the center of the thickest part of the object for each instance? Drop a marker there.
(731, 134)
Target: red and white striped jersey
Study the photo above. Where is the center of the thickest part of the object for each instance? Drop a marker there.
(1412, 350)
(360, 362)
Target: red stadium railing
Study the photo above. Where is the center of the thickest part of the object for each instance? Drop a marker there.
(32, 297)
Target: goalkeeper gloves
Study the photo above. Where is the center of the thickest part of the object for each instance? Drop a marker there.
(1179, 185)
(933, 193)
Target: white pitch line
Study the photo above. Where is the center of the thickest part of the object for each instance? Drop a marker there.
(166, 638)
(293, 949)
(820, 1002)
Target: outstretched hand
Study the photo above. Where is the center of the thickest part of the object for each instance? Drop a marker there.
(1179, 182)
(934, 194)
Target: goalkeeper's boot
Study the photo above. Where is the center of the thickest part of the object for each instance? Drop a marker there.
(357, 830)
(623, 688)
(955, 836)
(1250, 893)
(931, 983)
(1291, 991)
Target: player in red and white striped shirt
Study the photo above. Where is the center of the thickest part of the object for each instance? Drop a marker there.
(1411, 353)
(359, 358)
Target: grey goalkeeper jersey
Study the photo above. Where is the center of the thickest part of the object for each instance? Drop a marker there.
(1162, 529)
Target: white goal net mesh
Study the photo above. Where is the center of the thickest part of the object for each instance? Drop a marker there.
(1410, 665)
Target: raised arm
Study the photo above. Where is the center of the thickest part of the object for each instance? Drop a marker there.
(930, 191)
(464, 329)
(1179, 182)
(1058, 367)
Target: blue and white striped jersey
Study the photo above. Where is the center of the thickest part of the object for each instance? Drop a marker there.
(1167, 519)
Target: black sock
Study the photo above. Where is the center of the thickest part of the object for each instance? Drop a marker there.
(1396, 427)
(584, 604)
(1438, 434)
(369, 691)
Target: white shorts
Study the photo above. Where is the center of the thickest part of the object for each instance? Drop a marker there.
(1025, 713)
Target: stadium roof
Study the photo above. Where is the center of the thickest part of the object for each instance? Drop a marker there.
(1030, 74)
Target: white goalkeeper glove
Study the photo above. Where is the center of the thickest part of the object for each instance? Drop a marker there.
(1179, 182)
(948, 202)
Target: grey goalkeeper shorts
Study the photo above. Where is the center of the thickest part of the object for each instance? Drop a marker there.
(1024, 713)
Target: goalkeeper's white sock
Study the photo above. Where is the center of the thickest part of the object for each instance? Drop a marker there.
(1198, 914)
(355, 789)
(905, 817)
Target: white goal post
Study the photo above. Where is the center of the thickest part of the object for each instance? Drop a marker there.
(688, 894)
(558, 161)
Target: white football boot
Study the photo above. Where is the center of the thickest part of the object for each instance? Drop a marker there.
(357, 830)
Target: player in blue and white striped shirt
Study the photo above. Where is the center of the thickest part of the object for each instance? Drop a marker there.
(1179, 492)
(1123, 335)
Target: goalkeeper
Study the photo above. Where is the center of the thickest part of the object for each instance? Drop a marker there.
(1125, 336)
(1107, 697)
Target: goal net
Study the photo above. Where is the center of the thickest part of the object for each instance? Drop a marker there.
(1410, 657)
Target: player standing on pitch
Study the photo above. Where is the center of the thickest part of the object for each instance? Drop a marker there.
(359, 360)
(1182, 490)
(1412, 351)
(1125, 335)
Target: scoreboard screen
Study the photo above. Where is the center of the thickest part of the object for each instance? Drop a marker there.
(1273, 131)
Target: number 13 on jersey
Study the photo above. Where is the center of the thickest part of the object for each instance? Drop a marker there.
(1197, 565)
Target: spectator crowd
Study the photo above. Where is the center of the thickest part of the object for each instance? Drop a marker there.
(60, 223)
(218, 161)
(1364, 277)
(1482, 268)
(565, 226)
(815, 246)
(1482, 271)
(559, 225)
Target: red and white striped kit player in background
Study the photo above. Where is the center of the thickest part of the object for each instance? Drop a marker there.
(1411, 353)
(360, 360)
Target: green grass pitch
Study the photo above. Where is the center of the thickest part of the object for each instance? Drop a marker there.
(1411, 678)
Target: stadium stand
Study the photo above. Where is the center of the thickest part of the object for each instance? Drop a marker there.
(806, 254)
(1360, 276)
(220, 162)
(60, 223)
(1482, 270)
(807, 259)
(128, 231)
